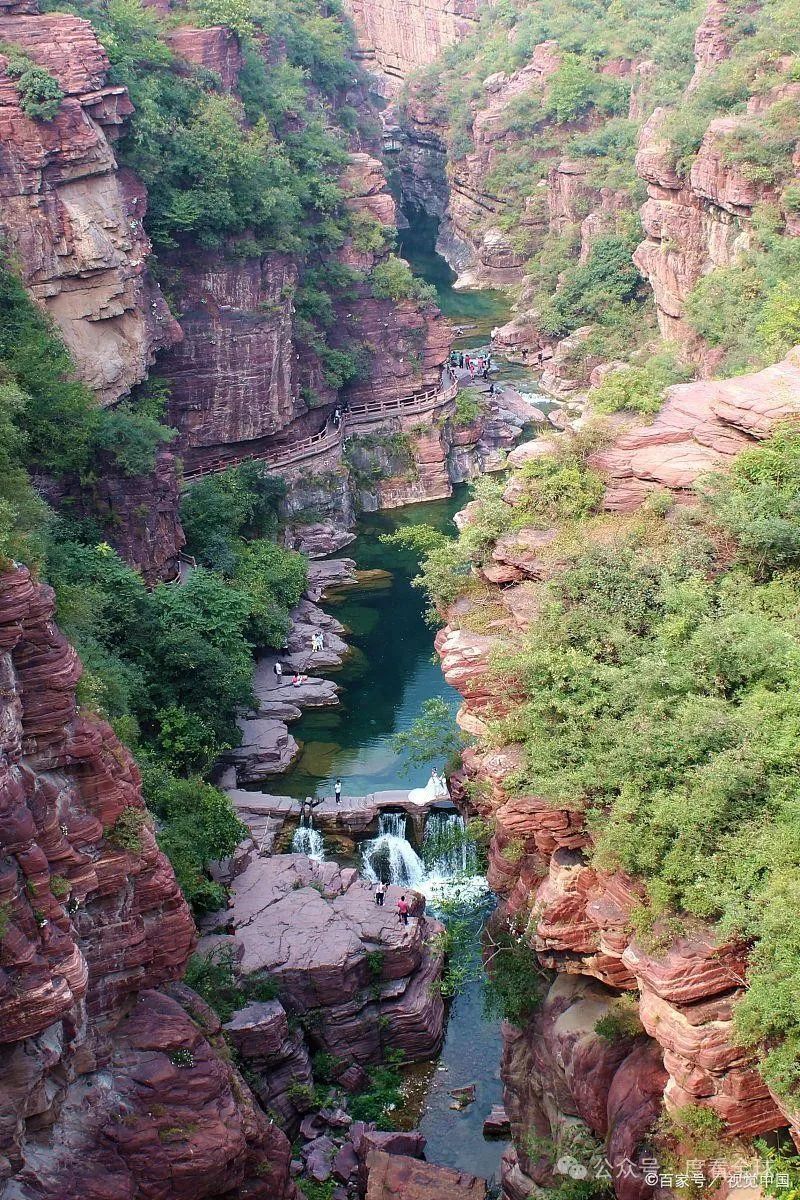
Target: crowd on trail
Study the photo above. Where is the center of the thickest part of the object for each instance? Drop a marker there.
(477, 366)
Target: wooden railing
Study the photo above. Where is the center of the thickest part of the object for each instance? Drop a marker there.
(281, 457)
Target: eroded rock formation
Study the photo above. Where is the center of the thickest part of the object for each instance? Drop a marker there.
(395, 39)
(356, 978)
(558, 1069)
(111, 1085)
(71, 219)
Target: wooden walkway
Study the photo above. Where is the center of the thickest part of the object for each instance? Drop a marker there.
(281, 458)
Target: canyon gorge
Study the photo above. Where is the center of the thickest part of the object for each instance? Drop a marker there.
(272, 274)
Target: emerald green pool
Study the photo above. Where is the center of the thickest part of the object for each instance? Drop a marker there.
(387, 675)
(476, 311)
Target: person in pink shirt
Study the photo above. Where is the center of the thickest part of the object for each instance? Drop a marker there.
(403, 910)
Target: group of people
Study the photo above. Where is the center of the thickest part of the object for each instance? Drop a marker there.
(317, 642)
(479, 364)
(297, 678)
(403, 907)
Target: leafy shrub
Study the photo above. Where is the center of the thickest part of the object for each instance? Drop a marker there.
(515, 981)
(576, 86)
(126, 832)
(214, 977)
(384, 1095)
(431, 737)
(638, 389)
(200, 826)
(40, 93)
(696, 1129)
(559, 487)
(621, 1021)
(392, 279)
(467, 409)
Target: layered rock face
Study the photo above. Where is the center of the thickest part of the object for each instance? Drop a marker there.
(567, 1084)
(472, 237)
(698, 221)
(70, 218)
(355, 977)
(395, 39)
(110, 1087)
(579, 920)
(700, 427)
(234, 378)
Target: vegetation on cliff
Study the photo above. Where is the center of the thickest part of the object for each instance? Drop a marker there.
(579, 109)
(657, 692)
(169, 667)
(603, 69)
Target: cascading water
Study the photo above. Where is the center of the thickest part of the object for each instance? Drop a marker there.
(447, 850)
(447, 869)
(308, 840)
(390, 856)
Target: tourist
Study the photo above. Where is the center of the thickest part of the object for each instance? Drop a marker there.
(380, 893)
(402, 910)
(278, 669)
(337, 790)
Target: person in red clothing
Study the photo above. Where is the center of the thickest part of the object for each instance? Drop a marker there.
(403, 910)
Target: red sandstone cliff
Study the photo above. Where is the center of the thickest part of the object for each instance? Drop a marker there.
(394, 39)
(71, 220)
(557, 1070)
(110, 1087)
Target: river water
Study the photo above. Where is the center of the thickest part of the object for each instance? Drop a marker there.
(384, 680)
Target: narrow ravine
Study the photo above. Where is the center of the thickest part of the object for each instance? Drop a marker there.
(388, 674)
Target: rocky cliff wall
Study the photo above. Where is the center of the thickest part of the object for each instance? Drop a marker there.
(559, 1073)
(395, 39)
(70, 219)
(111, 1085)
(696, 222)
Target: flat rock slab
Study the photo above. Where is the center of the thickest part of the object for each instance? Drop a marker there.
(332, 573)
(397, 1177)
(338, 958)
(267, 749)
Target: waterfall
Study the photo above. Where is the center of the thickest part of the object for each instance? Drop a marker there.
(447, 869)
(447, 850)
(390, 856)
(308, 840)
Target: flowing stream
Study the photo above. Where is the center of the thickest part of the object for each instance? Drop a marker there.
(446, 871)
(388, 674)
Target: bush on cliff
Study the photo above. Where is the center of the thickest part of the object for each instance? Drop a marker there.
(751, 311)
(392, 279)
(217, 167)
(40, 93)
(660, 693)
(62, 429)
(639, 388)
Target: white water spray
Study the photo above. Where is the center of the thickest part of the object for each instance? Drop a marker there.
(308, 840)
(451, 873)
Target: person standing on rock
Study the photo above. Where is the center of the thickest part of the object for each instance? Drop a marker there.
(402, 910)
(380, 893)
(337, 791)
(278, 669)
